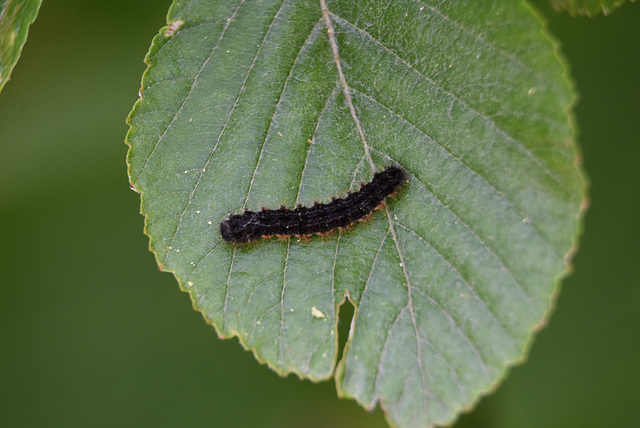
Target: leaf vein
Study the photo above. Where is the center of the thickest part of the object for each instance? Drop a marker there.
(224, 127)
(493, 254)
(469, 288)
(345, 87)
(193, 85)
(453, 96)
(414, 320)
(466, 166)
(484, 41)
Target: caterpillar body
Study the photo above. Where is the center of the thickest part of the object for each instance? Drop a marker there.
(318, 219)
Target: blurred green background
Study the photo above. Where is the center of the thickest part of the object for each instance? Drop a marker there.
(92, 334)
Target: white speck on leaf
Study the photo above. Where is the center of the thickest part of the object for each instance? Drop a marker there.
(317, 312)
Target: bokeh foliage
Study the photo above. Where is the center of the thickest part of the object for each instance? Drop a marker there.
(92, 333)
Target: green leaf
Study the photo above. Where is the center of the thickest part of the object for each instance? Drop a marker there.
(15, 18)
(587, 7)
(250, 104)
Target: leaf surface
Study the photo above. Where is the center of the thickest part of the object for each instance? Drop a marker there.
(251, 104)
(15, 18)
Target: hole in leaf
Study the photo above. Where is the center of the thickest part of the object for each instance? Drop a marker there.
(345, 317)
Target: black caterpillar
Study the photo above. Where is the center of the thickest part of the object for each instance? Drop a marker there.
(320, 218)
